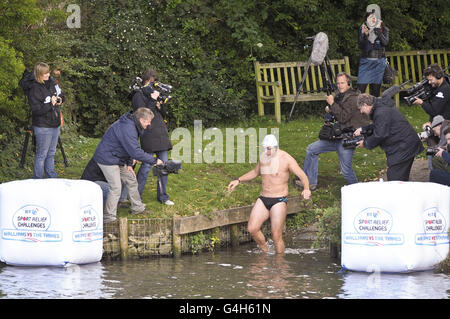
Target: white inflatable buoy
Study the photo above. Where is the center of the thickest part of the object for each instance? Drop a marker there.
(51, 222)
(394, 226)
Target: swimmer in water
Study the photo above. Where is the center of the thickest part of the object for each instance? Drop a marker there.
(274, 166)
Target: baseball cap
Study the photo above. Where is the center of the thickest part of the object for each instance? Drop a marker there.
(438, 119)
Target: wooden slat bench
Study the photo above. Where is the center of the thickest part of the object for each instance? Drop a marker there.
(410, 65)
(278, 82)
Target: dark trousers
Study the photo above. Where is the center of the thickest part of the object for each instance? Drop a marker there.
(374, 89)
(400, 171)
(440, 177)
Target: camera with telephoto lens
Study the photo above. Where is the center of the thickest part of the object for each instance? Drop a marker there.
(169, 167)
(426, 134)
(351, 141)
(421, 90)
(431, 151)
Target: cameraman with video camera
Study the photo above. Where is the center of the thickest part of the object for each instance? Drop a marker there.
(442, 175)
(393, 133)
(344, 108)
(155, 139)
(439, 102)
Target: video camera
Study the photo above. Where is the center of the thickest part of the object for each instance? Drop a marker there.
(331, 129)
(169, 167)
(421, 90)
(351, 141)
(163, 89)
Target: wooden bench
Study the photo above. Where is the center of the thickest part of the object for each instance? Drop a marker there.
(278, 82)
(410, 65)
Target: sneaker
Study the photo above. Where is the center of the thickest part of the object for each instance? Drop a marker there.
(143, 212)
(124, 204)
(298, 184)
(169, 202)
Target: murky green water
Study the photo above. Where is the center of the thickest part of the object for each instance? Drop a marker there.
(242, 272)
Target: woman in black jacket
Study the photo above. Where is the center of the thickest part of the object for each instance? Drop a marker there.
(45, 98)
(155, 139)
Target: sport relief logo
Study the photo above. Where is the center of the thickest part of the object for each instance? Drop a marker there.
(31, 223)
(435, 229)
(90, 226)
(373, 228)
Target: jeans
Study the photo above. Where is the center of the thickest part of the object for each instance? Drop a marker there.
(46, 142)
(105, 190)
(311, 164)
(161, 183)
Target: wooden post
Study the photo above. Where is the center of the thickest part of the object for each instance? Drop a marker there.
(234, 235)
(123, 233)
(176, 238)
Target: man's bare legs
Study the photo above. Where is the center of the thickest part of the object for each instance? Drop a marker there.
(277, 220)
(257, 218)
(259, 215)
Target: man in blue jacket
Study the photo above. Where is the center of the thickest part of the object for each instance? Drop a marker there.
(393, 133)
(115, 154)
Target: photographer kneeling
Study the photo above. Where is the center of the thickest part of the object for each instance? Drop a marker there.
(115, 155)
(433, 134)
(345, 109)
(441, 175)
(393, 133)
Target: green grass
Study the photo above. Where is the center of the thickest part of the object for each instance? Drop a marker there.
(200, 188)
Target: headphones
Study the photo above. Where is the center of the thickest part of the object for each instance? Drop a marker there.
(436, 71)
(349, 80)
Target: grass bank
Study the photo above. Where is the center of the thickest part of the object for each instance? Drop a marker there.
(200, 188)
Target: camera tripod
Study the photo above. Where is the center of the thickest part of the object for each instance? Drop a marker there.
(328, 77)
(28, 133)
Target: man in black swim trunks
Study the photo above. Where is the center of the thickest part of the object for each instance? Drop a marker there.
(274, 166)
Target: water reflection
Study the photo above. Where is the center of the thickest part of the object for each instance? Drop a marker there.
(84, 281)
(269, 275)
(418, 285)
(243, 272)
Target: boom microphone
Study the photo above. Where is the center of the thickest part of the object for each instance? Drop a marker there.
(320, 48)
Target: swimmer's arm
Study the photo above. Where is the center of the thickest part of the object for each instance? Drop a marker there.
(295, 169)
(245, 178)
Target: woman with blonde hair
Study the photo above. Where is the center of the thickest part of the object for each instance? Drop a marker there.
(45, 98)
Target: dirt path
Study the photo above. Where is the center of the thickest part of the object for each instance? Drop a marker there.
(419, 171)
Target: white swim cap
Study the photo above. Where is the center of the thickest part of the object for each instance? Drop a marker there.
(270, 140)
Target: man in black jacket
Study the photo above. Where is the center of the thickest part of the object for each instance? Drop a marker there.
(155, 139)
(439, 103)
(393, 133)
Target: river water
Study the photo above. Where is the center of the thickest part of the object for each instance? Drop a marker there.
(242, 272)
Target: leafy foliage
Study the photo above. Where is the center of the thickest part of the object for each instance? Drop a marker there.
(204, 48)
